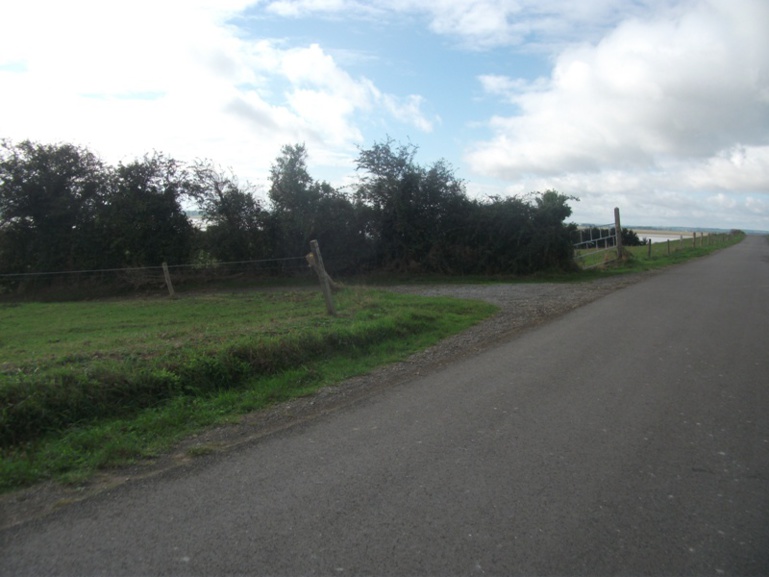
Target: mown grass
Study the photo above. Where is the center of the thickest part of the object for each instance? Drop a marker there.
(89, 385)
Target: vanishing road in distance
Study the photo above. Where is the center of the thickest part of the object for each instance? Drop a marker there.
(629, 436)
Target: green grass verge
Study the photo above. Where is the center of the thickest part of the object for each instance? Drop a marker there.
(89, 385)
(663, 254)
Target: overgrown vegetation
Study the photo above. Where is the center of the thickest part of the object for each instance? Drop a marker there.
(95, 384)
(63, 209)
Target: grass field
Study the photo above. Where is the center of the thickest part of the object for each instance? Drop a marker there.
(88, 385)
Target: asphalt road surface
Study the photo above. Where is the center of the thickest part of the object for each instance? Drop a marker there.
(628, 437)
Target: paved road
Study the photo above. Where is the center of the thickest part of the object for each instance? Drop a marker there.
(630, 436)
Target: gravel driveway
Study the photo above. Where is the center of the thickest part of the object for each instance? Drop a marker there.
(520, 306)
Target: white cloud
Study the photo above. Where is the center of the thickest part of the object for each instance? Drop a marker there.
(122, 78)
(758, 207)
(722, 201)
(174, 75)
(741, 168)
(409, 111)
(650, 90)
(509, 88)
(293, 8)
(681, 100)
(484, 24)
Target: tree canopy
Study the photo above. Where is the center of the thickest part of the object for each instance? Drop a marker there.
(62, 208)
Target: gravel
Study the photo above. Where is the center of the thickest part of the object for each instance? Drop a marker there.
(521, 306)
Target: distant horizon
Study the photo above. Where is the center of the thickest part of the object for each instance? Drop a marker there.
(666, 228)
(714, 229)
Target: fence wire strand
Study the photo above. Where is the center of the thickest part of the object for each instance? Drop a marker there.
(149, 268)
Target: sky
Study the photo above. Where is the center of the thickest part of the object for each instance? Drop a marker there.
(658, 107)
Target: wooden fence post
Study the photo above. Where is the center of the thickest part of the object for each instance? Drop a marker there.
(167, 276)
(618, 232)
(325, 286)
(649, 250)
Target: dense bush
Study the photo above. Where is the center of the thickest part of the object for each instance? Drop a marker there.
(63, 209)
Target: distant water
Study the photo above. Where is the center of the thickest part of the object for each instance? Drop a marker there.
(662, 236)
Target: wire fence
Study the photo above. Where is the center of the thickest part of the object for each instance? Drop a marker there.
(96, 282)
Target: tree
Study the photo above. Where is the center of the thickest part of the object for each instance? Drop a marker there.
(553, 247)
(294, 197)
(339, 229)
(49, 198)
(414, 211)
(304, 209)
(143, 223)
(234, 219)
(61, 209)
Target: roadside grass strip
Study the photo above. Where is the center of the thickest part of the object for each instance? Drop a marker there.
(662, 254)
